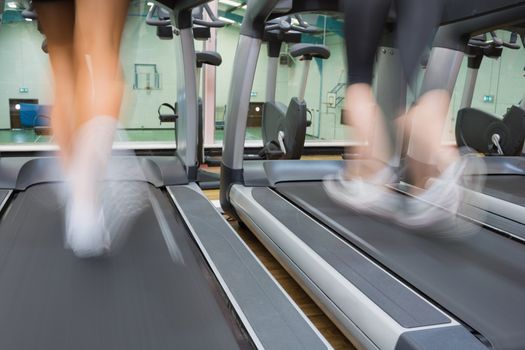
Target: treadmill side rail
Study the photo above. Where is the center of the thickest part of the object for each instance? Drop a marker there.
(271, 318)
(5, 195)
(356, 305)
(439, 338)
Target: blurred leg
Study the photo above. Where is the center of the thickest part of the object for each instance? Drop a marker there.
(99, 89)
(361, 187)
(427, 154)
(363, 30)
(417, 24)
(368, 125)
(98, 32)
(427, 157)
(57, 20)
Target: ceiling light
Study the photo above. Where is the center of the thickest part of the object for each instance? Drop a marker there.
(230, 3)
(227, 20)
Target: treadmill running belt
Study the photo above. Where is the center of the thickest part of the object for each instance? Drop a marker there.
(510, 188)
(137, 299)
(480, 280)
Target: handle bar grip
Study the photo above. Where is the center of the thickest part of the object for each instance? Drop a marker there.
(156, 22)
(211, 24)
(511, 46)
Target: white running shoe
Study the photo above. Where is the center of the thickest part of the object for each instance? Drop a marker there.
(86, 233)
(123, 201)
(368, 197)
(436, 210)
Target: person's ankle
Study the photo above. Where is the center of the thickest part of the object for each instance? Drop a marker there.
(419, 172)
(374, 172)
(447, 158)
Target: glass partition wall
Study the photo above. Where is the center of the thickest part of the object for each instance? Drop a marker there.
(148, 66)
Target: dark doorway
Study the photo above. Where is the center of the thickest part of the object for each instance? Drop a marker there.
(14, 112)
(255, 115)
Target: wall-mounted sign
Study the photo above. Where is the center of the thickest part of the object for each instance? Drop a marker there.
(488, 98)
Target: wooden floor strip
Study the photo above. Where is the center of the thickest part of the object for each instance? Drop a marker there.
(307, 305)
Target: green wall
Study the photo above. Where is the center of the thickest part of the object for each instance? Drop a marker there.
(23, 64)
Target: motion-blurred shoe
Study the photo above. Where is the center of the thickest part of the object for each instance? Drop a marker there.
(435, 210)
(86, 233)
(369, 197)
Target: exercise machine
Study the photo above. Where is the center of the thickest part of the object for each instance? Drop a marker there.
(482, 131)
(384, 286)
(502, 198)
(183, 279)
(168, 113)
(284, 127)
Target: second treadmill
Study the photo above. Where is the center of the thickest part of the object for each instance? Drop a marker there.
(386, 288)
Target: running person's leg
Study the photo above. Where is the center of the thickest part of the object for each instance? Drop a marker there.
(361, 186)
(417, 23)
(57, 19)
(364, 26)
(427, 157)
(98, 33)
(99, 89)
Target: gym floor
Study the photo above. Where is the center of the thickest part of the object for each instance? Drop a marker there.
(314, 313)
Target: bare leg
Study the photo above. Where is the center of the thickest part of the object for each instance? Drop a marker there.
(363, 31)
(364, 115)
(57, 19)
(360, 186)
(428, 119)
(98, 96)
(99, 85)
(435, 209)
(97, 46)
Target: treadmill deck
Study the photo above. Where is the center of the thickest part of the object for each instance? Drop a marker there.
(509, 188)
(139, 298)
(479, 280)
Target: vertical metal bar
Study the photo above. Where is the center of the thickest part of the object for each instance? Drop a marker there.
(470, 86)
(271, 78)
(209, 97)
(244, 65)
(187, 124)
(442, 70)
(304, 79)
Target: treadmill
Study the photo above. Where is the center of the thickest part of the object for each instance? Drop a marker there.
(501, 203)
(183, 279)
(383, 286)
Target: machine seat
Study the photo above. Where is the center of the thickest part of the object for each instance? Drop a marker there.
(309, 51)
(208, 57)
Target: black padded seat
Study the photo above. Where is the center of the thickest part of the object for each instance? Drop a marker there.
(208, 57)
(309, 51)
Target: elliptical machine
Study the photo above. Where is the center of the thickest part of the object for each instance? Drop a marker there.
(284, 127)
(484, 132)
